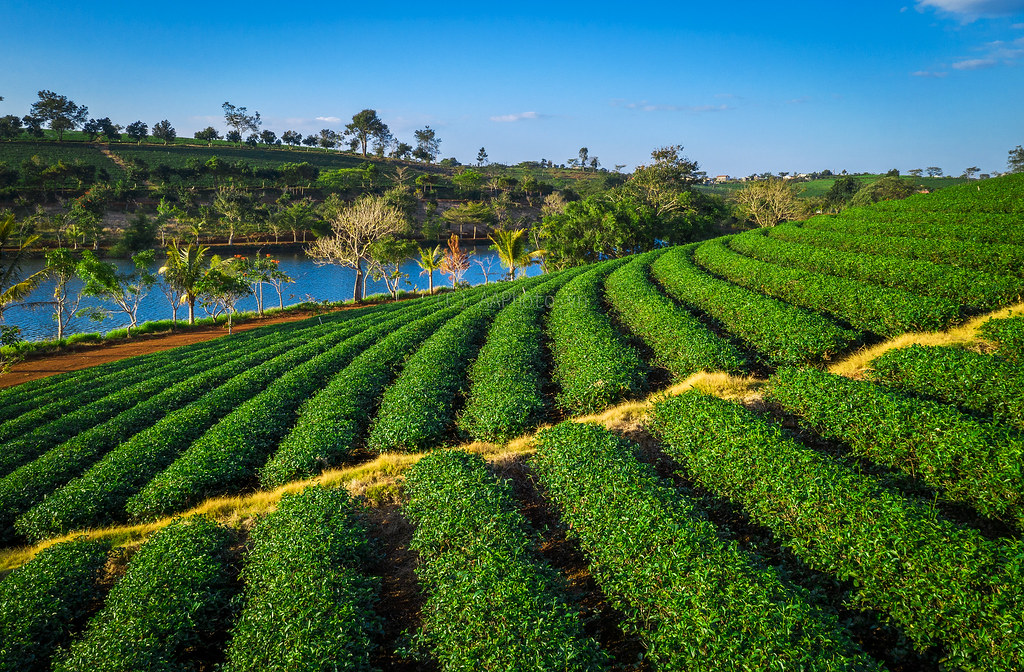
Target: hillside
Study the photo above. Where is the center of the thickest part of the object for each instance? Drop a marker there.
(795, 447)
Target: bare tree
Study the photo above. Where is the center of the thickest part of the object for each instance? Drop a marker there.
(354, 229)
(768, 202)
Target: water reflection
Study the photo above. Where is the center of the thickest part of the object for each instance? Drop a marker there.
(321, 283)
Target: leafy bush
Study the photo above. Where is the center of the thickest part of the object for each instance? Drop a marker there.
(969, 461)
(1008, 333)
(308, 602)
(982, 290)
(43, 602)
(942, 583)
(417, 410)
(782, 333)
(492, 604)
(506, 396)
(995, 258)
(983, 384)
(175, 595)
(337, 417)
(594, 365)
(681, 343)
(884, 311)
(229, 453)
(697, 601)
(180, 415)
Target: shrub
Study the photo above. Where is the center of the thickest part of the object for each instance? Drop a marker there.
(594, 365)
(681, 343)
(942, 583)
(696, 601)
(174, 596)
(308, 602)
(492, 604)
(43, 602)
(969, 461)
(782, 333)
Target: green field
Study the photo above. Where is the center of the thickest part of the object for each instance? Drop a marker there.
(778, 516)
(820, 187)
(13, 153)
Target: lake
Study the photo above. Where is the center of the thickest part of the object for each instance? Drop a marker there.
(312, 282)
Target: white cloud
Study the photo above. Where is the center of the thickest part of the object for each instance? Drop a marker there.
(926, 73)
(1017, 26)
(975, 7)
(974, 64)
(329, 120)
(509, 118)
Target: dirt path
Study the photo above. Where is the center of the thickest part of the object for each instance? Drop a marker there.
(91, 355)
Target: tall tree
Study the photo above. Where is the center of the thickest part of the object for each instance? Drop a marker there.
(137, 131)
(240, 120)
(209, 134)
(1015, 161)
(235, 208)
(10, 127)
(428, 145)
(61, 266)
(584, 155)
(455, 262)
(268, 137)
(61, 113)
(511, 248)
(366, 126)
(481, 157)
(162, 130)
(354, 229)
(933, 171)
(223, 286)
(327, 138)
(183, 272)
(125, 290)
(430, 261)
(291, 138)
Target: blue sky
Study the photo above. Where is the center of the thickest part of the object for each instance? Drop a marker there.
(744, 86)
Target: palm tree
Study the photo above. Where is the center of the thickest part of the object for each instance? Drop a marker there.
(430, 261)
(511, 248)
(183, 272)
(12, 287)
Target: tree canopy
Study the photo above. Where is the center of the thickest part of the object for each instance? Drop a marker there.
(60, 112)
(366, 126)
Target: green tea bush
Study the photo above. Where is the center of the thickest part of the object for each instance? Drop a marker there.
(229, 454)
(962, 285)
(491, 603)
(969, 461)
(506, 395)
(882, 310)
(999, 259)
(943, 584)
(308, 601)
(1008, 334)
(182, 413)
(680, 342)
(332, 422)
(175, 594)
(696, 601)
(417, 411)
(982, 384)
(782, 333)
(594, 364)
(43, 602)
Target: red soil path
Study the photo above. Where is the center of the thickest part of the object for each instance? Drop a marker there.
(85, 355)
